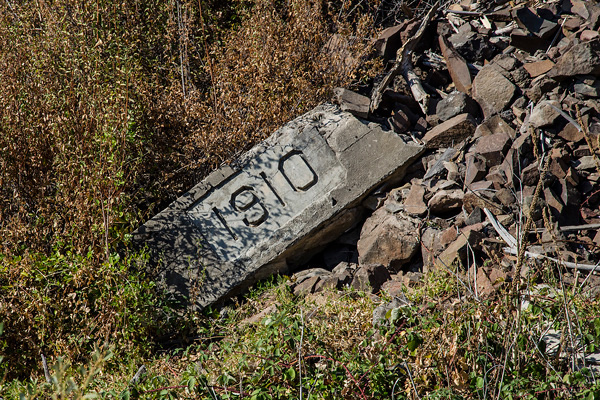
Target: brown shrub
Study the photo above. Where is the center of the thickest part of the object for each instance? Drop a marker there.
(281, 61)
(110, 110)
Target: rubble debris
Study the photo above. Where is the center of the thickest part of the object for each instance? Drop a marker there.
(476, 112)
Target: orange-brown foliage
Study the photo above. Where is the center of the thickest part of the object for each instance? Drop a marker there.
(109, 110)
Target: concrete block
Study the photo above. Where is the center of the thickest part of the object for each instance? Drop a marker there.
(274, 207)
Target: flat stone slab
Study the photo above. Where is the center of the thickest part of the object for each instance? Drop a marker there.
(274, 207)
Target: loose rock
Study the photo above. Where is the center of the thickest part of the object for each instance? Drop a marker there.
(492, 90)
(454, 104)
(369, 278)
(388, 239)
(581, 59)
(450, 132)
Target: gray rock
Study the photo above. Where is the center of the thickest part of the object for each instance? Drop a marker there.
(430, 247)
(520, 77)
(446, 200)
(506, 197)
(344, 271)
(438, 169)
(494, 125)
(544, 114)
(535, 24)
(380, 313)
(471, 45)
(307, 286)
(475, 217)
(457, 251)
(457, 66)
(414, 203)
(481, 195)
(475, 169)
(530, 175)
(301, 276)
(451, 132)
(540, 87)
(493, 148)
(536, 213)
(497, 176)
(352, 102)
(588, 35)
(274, 207)
(388, 41)
(328, 282)
(585, 163)
(506, 61)
(537, 68)
(587, 90)
(454, 104)
(399, 121)
(523, 40)
(443, 184)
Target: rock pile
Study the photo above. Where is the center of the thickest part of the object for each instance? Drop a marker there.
(506, 100)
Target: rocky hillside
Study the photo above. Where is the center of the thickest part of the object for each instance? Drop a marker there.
(506, 102)
(475, 277)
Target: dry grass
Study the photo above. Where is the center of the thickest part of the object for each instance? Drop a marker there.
(108, 112)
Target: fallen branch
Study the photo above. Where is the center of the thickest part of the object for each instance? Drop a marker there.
(403, 65)
(513, 250)
(537, 256)
(578, 227)
(46, 371)
(138, 375)
(160, 389)
(501, 230)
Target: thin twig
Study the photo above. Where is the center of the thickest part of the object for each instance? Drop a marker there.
(394, 389)
(411, 380)
(181, 43)
(46, 371)
(461, 12)
(567, 117)
(578, 227)
(165, 388)
(558, 32)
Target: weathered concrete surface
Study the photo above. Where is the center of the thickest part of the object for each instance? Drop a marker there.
(274, 207)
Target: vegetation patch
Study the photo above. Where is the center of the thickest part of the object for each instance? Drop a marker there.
(108, 112)
(440, 342)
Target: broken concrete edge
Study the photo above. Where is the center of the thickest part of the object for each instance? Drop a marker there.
(191, 255)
